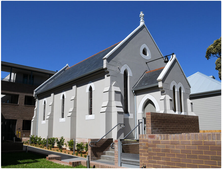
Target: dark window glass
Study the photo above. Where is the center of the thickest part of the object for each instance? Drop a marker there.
(90, 100)
(44, 107)
(10, 98)
(26, 125)
(125, 92)
(180, 96)
(63, 105)
(29, 100)
(174, 99)
(144, 51)
(25, 78)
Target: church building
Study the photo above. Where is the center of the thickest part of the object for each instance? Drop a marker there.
(117, 85)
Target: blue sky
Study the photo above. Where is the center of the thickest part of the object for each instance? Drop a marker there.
(49, 35)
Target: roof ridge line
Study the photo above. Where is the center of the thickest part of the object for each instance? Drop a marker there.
(92, 56)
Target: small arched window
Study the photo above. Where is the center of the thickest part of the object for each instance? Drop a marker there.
(180, 97)
(174, 98)
(44, 107)
(125, 91)
(90, 100)
(144, 51)
(63, 106)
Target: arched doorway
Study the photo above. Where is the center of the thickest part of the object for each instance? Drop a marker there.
(148, 107)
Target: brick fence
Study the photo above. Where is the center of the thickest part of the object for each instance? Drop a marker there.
(130, 147)
(187, 150)
(162, 123)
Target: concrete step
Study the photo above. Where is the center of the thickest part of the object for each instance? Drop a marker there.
(111, 153)
(131, 161)
(107, 157)
(105, 161)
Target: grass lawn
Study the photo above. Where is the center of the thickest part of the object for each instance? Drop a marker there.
(28, 160)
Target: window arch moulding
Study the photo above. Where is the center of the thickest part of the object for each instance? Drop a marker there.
(90, 84)
(62, 96)
(126, 67)
(145, 52)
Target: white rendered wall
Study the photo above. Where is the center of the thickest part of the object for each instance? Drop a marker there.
(89, 126)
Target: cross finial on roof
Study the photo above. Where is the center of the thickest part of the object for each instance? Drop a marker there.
(141, 17)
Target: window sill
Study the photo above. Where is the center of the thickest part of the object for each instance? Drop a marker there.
(90, 117)
(62, 120)
(43, 122)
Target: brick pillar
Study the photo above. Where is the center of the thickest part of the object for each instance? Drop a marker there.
(148, 123)
(116, 153)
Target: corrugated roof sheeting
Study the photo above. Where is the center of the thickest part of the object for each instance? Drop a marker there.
(201, 83)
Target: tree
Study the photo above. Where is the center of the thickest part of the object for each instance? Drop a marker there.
(214, 50)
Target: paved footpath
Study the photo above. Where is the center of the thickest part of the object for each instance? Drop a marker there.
(64, 157)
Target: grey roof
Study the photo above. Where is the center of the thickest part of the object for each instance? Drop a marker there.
(76, 71)
(148, 80)
(201, 83)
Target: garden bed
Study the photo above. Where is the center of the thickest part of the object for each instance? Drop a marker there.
(63, 150)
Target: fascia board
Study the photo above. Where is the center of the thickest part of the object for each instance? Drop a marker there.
(50, 79)
(122, 42)
(167, 67)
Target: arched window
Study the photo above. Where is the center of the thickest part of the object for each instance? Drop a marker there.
(44, 107)
(90, 100)
(174, 98)
(63, 106)
(180, 97)
(125, 77)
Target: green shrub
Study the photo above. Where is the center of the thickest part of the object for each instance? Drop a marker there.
(85, 155)
(43, 142)
(77, 153)
(39, 140)
(51, 142)
(34, 139)
(80, 147)
(70, 144)
(60, 142)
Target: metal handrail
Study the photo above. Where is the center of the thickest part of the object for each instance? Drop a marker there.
(95, 142)
(126, 135)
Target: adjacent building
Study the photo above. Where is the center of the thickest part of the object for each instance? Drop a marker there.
(117, 85)
(18, 103)
(206, 99)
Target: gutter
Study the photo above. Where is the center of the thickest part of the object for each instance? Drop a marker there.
(34, 94)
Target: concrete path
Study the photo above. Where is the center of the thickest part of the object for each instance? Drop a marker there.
(64, 157)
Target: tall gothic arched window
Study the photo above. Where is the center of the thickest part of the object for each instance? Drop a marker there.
(125, 77)
(174, 98)
(180, 97)
(63, 106)
(44, 107)
(90, 100)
